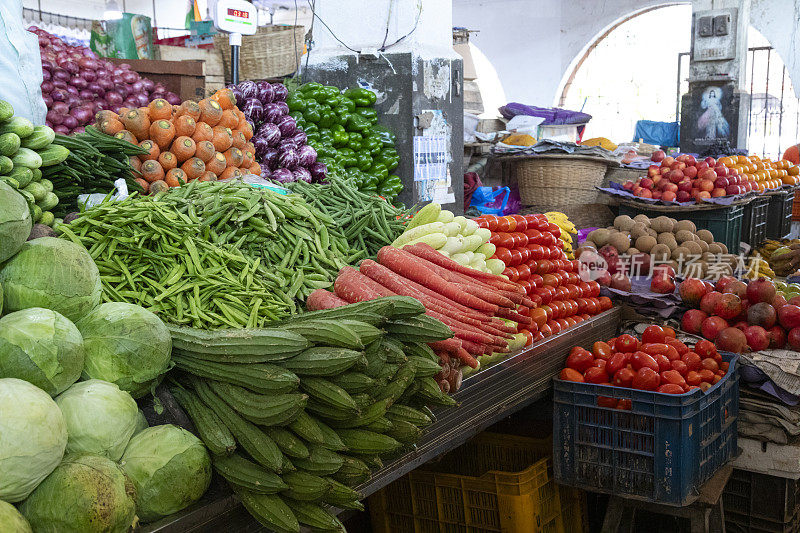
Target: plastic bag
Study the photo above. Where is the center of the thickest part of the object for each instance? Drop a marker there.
(485, 200)
(20, 64)
(87, 201)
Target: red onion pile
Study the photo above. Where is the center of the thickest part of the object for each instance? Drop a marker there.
(281, 147)
(77, 84)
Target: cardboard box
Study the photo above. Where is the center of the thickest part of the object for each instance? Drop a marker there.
(469, 66)
(184, 78)
(213, 68)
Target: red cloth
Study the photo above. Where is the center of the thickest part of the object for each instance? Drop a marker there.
(471, 183)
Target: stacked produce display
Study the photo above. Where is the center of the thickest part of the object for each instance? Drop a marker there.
(26, 152)
(739, 316)
(77, 84)
(280, 144)
(782, 258)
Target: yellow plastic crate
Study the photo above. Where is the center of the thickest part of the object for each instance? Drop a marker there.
(494, 483)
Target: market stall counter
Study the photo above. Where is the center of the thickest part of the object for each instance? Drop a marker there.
(484, 399)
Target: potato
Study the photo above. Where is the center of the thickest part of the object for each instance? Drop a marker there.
(645, 243)
(623, 223)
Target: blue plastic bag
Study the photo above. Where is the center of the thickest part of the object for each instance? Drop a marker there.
(483, 197)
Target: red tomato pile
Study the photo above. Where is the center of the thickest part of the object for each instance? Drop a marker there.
(659, 362)
(530, 246)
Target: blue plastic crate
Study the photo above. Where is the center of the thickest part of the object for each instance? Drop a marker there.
(661, 450)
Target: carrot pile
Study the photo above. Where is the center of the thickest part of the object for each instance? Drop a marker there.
(470, 302)
(205, 140)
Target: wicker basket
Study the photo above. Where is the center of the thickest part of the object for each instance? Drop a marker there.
(559, 179)
(582, 215)
(274, 51)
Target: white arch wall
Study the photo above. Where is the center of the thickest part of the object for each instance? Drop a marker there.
(533, 43)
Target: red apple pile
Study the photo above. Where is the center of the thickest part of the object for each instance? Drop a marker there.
(530, 247)
(740, 316)
(684, 178)
(658, 362)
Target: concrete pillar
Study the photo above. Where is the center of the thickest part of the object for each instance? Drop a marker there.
(402, 50)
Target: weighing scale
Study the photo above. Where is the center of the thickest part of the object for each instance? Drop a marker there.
(237, 18)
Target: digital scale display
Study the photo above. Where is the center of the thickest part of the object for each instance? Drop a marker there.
(238, 13)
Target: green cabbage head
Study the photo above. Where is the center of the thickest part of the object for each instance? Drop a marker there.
(100, 418)
(125, 344)
(41, 346)
(170, 468)
(141, 423)
(15, 221)
(84, 494)
(11, 521)
(52, 273)
(33, 437)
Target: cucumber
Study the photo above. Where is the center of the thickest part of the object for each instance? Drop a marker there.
(41, 137)
(427, 214)
(322, 361)
(53, 155)
(6, 111)
(247, 474)
(365, 442)
(270, 510)
(49, 201)
(37, 174)
(287, 441)
(25, 157)
(19, 125)
(214, 434)
(321, 461)
(9, 144)
(37, 190)
(341, 496)
(36, 213)
(303, 486)
(326, 392)
(47, 184)
(10, 181)
(264, 410)
(23, 175)
(48, 218)
(5, 165)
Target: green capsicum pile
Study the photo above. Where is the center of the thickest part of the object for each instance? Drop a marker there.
(343, 128)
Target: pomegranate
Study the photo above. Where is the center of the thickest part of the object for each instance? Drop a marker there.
(761, 290)
(692, 291)
(728, 306)
(611, 255)
(779, 301)
(731, 340)
(604, 278)
(777, 337)
(662, 284)
(664, 270)
(692, 321)
(621, 282)
(757, 338)
(789, 316)
(761, 314)
(709, 301)
(641, 264)
(723, 282)
(712, 326)
(736, 287)
(794, 300)
(658, 156)
(794, 339)
(742, 325)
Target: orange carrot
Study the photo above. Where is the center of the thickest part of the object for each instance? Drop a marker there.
(189, 107)
(185, 125)
(230, 172)
(247, 161)
(210, 111)
(122, 111)
(145, 111)
(193, 168)
(168, 161)
(183, 148)
(136, 163)
(175, 110)
(202, 132)
(125, 135)
(143, 184)
(226, 98)
(105, 114)
(249, 147)
(247, 130)
(110, 126)
(205, 151)
(255, 169)
(176, 177)
(160, 109)
(152, 171)
(152, 150)
(158, 186)
(137, 123)
(228, 119)
(207, 176)
(233, 157)
(223, 138)
(238, 140)
(162, 132)
(217, 164)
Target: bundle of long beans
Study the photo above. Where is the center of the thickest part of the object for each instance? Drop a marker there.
(212, 254)
(367, 221)
(95, 162)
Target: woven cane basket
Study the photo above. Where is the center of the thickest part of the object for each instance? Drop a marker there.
(582, 215)
(274, 51)
(559, 179)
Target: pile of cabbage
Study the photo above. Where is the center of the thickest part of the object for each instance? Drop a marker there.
(281, 147)
(76, 454)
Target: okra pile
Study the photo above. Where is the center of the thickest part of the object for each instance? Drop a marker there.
(298, 414)
(212, 255)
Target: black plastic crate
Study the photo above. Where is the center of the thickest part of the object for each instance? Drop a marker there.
(724, 223)
(779, 214)
(760, 503)
(754, 221)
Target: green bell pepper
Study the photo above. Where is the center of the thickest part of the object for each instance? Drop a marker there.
(348, 104)
(372, 143)
(356, 123)
(328, 93)
(389, 157)
(296, 103)
(340, 136)
(391, 186)
(310, 87)
(326, 150)
(327, 119)
(378, 169)
(368, 113)
(361, 97)
(387, 136)
(311, 128)
(311, 114)
(297, 115)
(326, 137)
(363, 161)
(354, 141)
